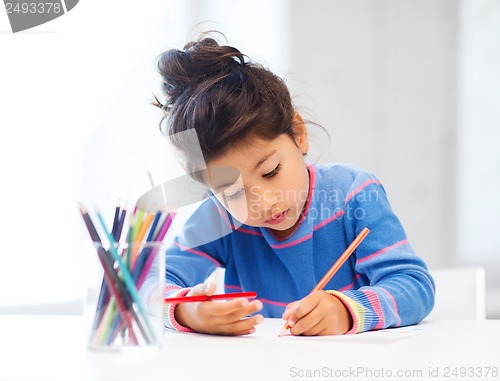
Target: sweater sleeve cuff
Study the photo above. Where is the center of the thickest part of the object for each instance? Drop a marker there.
(170, 321)
(354, 309)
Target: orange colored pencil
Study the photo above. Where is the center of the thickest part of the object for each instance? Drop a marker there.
(144, 227)
(336, 266)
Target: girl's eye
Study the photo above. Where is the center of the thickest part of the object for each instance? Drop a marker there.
(235, 195)
(274, 172)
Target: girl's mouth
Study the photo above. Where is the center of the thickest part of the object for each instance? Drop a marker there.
(277, 218)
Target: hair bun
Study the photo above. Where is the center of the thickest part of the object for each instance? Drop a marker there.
(199, 61)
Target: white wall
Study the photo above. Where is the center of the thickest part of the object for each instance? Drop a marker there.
(380, 76)
(479, 123)
(478, 156)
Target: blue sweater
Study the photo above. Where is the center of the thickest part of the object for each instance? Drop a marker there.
(383, 284)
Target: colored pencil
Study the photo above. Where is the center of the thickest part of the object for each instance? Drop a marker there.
(144, 269)
(129, 240)
(119, 309)
(127, 277)
(145, 250)
(143, 228)
(336, 266)
(152, 230)
(147, 255)
(109, 275)
(205, 298)
(138, 215)
(115, 220)
(116, 231)
(120, 223)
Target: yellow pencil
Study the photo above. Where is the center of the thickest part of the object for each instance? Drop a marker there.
(144, 226)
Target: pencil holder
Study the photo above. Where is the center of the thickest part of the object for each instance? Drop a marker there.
(128, 310)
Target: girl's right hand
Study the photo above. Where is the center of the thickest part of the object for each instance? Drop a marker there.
(218, 317)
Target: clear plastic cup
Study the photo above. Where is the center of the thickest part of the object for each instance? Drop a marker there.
(128, 309)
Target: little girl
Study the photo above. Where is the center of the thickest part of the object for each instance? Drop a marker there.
(289, 220)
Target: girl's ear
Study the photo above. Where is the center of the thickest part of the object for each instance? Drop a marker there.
(300, 133)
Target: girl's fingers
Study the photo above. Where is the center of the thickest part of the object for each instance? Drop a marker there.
(298, 310)
(241, 327)
(288, 310)
(311, 325)
(306, 305)
(203, 289)
(328, 316)
(232, 310)
(232, 318)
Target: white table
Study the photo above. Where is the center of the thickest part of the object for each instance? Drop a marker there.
(53, 348)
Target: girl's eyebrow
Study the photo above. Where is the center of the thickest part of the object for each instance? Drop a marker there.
(265, 158)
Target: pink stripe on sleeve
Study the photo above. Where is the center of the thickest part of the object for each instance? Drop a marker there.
(296, 242)
(348, 287)
(273, 302)
(382, 251)
(223, 214)
(360, 188)
(197, 252)
(247, 231)
(231, 287)
(170, 312)
(393, 301)
(375, 304)
(325, 222)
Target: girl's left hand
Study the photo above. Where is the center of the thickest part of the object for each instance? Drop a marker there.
(319, 313)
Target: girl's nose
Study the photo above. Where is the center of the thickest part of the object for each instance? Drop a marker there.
(269, 198)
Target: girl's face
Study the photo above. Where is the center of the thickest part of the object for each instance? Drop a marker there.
(273, 183)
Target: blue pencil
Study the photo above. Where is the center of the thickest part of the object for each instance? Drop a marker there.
(143, 255)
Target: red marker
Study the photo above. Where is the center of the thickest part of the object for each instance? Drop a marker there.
(205, 298)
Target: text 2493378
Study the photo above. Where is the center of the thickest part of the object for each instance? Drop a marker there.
(473, 372)
(34, 8)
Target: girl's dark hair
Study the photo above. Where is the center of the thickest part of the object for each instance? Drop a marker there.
(215, 90)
